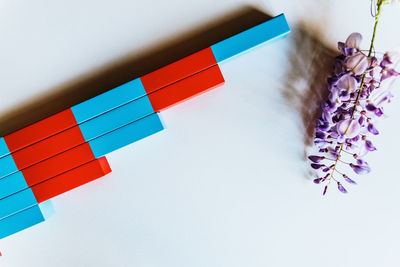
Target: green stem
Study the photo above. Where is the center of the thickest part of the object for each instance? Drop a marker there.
(371, 48)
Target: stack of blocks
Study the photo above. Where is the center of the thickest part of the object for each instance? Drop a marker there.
(68, 149)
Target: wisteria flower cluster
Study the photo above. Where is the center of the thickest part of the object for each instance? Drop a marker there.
(358, 90)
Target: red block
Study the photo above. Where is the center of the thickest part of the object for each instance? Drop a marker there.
(186, 88)
(40, 130)
(178, 70)
(58, 164)
(71, 179)
(48, 147)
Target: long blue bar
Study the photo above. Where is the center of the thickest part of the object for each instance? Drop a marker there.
(268, 31)
(109, 100)
(26, 218)
(17, 202)
(126, 135)
(116, 118)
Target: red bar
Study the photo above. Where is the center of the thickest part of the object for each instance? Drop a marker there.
(40, 130)
(186, 88)
(48, 147)
(58, 164)
(71, 179)
(178, 70)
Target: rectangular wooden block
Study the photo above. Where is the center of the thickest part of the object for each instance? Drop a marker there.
(268, 31)
(40, 130)
(71, 179)
(108, 101)
(178, 70)
(126, 135)
(25, 219)
(186, 88)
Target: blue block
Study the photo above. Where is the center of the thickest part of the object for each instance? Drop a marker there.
(108, 100)
(17, 202)
(273, 29)
(126, 135)
(25, 219)
(3, 148)
(11, 184)
(116, 118)
(7, 166)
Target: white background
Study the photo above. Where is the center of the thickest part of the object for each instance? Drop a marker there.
(226, 184)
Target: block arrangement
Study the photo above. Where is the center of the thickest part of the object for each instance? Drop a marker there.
(68, 149)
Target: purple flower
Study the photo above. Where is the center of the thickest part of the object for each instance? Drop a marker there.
(357, 63)
(316, 159)
(317, 181)
(347, 179)
(349, 128)
(347, 82)
(369, 146)
(341, 188)
(354, 40)
(358, 89)
(316, 166)
(360, 169)
(371, 128)
(325, 189)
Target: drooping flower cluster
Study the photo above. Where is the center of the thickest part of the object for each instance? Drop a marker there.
(358, 90)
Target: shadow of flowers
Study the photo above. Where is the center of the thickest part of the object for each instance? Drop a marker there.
(310, 64)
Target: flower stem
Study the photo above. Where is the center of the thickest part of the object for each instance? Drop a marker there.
(371, 48)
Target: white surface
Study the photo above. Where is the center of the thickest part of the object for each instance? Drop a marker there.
(225, 185)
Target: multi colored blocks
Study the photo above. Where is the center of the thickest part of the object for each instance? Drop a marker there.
(67, 150)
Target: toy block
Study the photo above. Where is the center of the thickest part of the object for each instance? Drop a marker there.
(109, 100)
(3, 148)
(46, 169)
(116, 118)
(178, 70)
(11, 184)
(25, 219)
(71, 179)
(17, 202)
(66, 181)
(268, 31)
(48, 147)
(126, 135)
(186, 88)
(40, 130)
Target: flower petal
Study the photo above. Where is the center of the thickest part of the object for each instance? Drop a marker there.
(347, 179)
(341, 188)
(359, 169)
(354, 40)
(347, 82)
(369, 146)
(349, 128)
(315, 159)
(325, 189)
(357, 63)
(371, 128)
